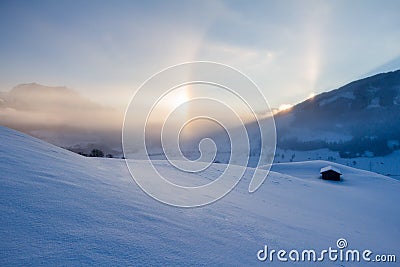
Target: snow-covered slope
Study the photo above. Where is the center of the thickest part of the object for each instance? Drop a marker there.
(387, 165)
(59, 208)
(356, 125)
(358, 117)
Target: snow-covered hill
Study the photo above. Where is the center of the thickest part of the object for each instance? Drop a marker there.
(356, 125)
(59, 208)
(358, 119)
(388, 165)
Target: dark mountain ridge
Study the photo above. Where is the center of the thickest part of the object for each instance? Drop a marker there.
(362, 116)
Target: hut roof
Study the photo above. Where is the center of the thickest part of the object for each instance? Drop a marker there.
(329, 168)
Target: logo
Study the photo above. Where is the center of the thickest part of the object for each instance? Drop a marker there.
(341, 253)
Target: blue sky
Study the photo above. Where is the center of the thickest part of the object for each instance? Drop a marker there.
(106, 49)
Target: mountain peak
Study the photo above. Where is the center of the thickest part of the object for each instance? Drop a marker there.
(36, 87)
(352, 117)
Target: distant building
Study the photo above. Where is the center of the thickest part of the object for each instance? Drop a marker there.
(393, 144)
(330, 173)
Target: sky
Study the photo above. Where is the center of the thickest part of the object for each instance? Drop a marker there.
(105, 50)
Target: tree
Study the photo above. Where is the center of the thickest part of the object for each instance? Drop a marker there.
(96, 153)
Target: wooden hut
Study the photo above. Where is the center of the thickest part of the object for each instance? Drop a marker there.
(330, 173)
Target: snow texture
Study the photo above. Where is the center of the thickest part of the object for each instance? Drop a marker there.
(61, 209)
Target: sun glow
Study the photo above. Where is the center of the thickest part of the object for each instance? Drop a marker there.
(180, 97)
(175, 98)
(285, 107)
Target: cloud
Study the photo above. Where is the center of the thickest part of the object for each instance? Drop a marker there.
(45, 105)
(51, 112)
